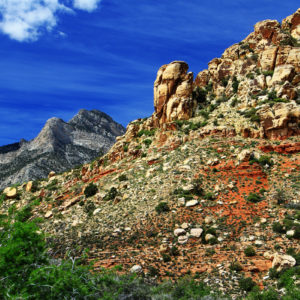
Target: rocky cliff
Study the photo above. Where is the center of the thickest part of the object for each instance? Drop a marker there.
(59, 146)
(253, 90)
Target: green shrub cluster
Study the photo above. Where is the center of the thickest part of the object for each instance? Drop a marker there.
(146, 132)
(249, 251)
(254, 197)
(162, 207)
(90, 190)
(113, 192)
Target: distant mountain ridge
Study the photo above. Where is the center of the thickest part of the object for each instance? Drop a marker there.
(59, 146)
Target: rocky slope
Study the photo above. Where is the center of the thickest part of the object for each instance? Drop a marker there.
(58, 147)
(208, 186)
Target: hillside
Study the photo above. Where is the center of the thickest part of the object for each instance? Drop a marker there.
(59, 146)
(208, 186)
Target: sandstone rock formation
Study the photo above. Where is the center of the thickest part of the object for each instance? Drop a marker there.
(173, 93)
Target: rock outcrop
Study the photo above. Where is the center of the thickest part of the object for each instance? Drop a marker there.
(173, 93)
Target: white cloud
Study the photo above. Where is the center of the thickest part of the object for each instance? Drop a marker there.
(88, 5)
(26, 20)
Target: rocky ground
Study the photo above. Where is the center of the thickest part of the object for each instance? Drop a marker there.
(208, 186)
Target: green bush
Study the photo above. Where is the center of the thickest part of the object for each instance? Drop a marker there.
(111, 194)
(90, 190)
(162, 207)
(209, 196)
(254, 197)
(250, 251)
(22, 250)
(247, 284)
(52, 185)
(123, 177)
(235, 84)
(147, 142)
(236, 266)
(277, 227)
(199, 95)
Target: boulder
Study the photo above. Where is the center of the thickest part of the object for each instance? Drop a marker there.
(282, 262)
(51, 174)
(179, 231)
(196, 232)
(208, 237)
(183, 239)
(10, 192)
(136, 269)
(191, 203)
(29, 186)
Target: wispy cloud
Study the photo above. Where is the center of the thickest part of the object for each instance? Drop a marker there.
(26, 20)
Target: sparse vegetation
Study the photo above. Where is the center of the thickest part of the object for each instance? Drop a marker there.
(90, 190)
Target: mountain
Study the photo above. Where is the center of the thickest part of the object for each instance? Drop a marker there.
(59, 146)
(206, 187)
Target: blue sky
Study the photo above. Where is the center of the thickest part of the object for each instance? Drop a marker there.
(59, 56)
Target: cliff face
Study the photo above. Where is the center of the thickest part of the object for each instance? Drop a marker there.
(58, 147)
(253, 90)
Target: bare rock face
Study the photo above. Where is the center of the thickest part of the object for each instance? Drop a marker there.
(292, 24)
(173, 93)
(280, 121)
(59, 146)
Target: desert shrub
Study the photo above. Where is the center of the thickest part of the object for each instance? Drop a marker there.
(204, 114)
(235, 84)
(52, 185)
(90, 190)
(277, 227)
(247, 284)
(273, 273)
(250, 251)
(162, 207)
(209, 196)
(166, 257)
(224, 81)
(111, 194)
(147, 142)
(146, 132)
(268, 73)
(123, 177)
(235, 266)
(265, 160)
(89, 207)
(254, 197)
(199, 95)
(280, 196)
(174, 251)
(153, 271)
(234, 102)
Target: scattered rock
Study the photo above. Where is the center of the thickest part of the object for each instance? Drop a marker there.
(196, 232)
(136, 269)
(10, 192)
(179, 231)
(191, 203)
